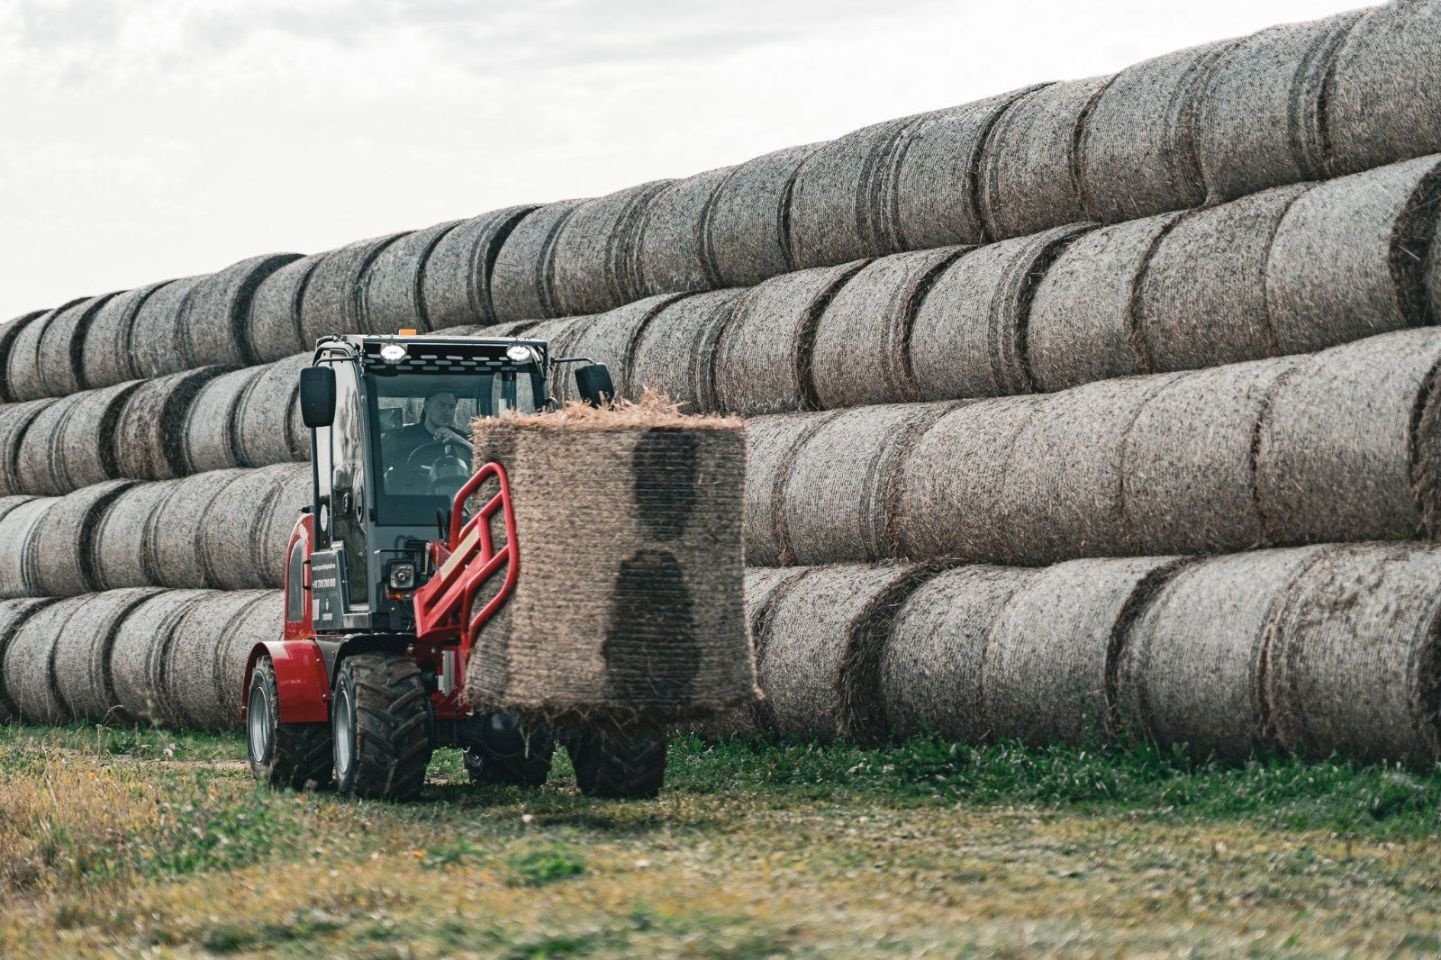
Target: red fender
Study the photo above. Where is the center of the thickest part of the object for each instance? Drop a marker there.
(301, 676)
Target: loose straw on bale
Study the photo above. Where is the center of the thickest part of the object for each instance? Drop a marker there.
(139, 654)
(772, 444)
(195, 669)
(150, 432)
(330, 303)
(16, 528)
(235, 553)
(15, 421)
(105, 356)
(9, 334)
(670, 243)
(209, 441)
(35, 461)
(13, 614)
(121, 550)
(217, 311)
(23, 379)
(390, 286)
(28, 668)
(62, 346)
(155, 334)
(267, 428)
(521, 283)
(173, 534)
(746, 235)
(455, 283)
(82, 654)
(609, 338)
(675, 353)
(593, 261)
(60, 552)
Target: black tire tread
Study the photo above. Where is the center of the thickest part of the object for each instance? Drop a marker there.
(619, 766)
(506, 758)
(303, 758)
(393, 743)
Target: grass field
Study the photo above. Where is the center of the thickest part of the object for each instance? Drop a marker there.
(145, 842)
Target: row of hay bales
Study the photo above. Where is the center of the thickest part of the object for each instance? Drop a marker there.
(1317, 650)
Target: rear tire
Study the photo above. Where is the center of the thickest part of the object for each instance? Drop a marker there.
(622, 766)
(498, 755)
(381, 727)
(296, 756)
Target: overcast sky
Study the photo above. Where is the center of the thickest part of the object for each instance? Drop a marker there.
(143, 139)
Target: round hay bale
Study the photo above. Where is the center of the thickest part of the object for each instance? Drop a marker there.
(455, 280)
(121, 552)
(559, 336)
(821, 670)
(282, 510)
(390, 286)
(234, 551)
(1201, 297)
(1353, 659)
(1381, 99)
(36, 459)
(105, 357)
(62, 347)
(23, 379)
(763, 359)
(871, 316)
(746, 236)
(10, 503)
(15, 421)
(931, 663)
(272, 331)
(9, 333)
(150, 432)
(1260, 119)
(771, 447)
(194, 676)
(952, 481)
(522, 285)
(262, 620)
(610, 338)
(83, 451)
(155, 334)
(29, 667)
(969, 335)
(330, 302)
(670, 245)
(60, 552)
(1191, 669)
(675, 353)
(1348, 260)
(214, 319)
(1138, 142)
(1049, 669)
(267, 429)
(140, 655)
(1028, 166)
(82, 654)
(593, 263)
(1082, 325)
(209, 440)
(838, 499)
(13, 613)
(174, 533)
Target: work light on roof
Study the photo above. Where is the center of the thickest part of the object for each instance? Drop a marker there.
(519, 354)
(392, 353)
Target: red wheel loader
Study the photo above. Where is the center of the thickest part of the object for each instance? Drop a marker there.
(388, 579)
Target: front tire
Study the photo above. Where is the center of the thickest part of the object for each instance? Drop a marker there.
(381, 727)
(501, 753)
(621, 766)
(294, 756)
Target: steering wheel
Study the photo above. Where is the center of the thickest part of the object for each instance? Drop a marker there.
(432, 450)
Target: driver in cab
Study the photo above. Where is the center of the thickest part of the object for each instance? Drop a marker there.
(410, 450)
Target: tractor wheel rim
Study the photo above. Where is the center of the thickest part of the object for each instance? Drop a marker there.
(343, 747)
(259, 725)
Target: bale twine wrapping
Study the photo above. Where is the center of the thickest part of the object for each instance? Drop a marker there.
(763, 359)
(1191, 669)
(267, 425)
(121, 551)
(14, 613)
(150, 432)
(194, 675)
(330, 303)
(105, 357)
(1138, 143)
(139, 654)
(455, 280)
(521, 285)
(15, 420)
(9, 333)
(746, 236)
(651, 628)
(1049, 669)
(1346, 448)
(1082, 325)
(670, 243)
(1028, 167)
(969, 335)
(215, 315)
(155, 334)
(29, 667)
(391, 298)
(262, 620)
(675, 353)
(281, 512)
(1201, 298)
(60, 552)
(593, 265)
(272, 331)
(82, 654)
(838, 499)
(1348, 260)
(173, 534)
(1354, 658)
(83, 451)
(62, 347)
(931, 662)
(209, 438)
(235, 553)
(610, 338)
(869, 319)
(771, 447)
(35, 460)
(23, 379)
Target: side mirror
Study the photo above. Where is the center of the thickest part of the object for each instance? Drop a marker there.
(594, 384)
(317, 396)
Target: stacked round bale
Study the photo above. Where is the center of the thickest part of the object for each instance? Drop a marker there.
(391, 294)
(610, 338)
(772, 445)
(13, 614)
(331, 304)
(105, 356)
(9, 332)
(455, 279)
(746, 237)
(80, 667)
(521, 284)
(272, 329)
(214, 318)
(675, 353)
(670, 250)
(17, 527)
(155, 329)
(26, 361)
(150, 432)
(27, 669)
(58, 556)
(593, 262)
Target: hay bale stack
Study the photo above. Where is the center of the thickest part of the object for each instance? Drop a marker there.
(139, 655)
(155, 334)
(195, 674)
(121, 552)
(272, 331)
(23, 380)
(82, 654)
(60, 552)
(267, 425)
(763, 360)
(610, 338)
(262, 620)
(746, 236)
(838, 499)
(1353, 659)
(871, 316)
(13, 614)
(593, 262)
(969, 335)
(1082, 325)
(1260, 120)
(675, 353)
(952, 481)
(235, 551)
(1048, 673)
(281, 513)
(29, 666)
(83, 451)
(1201, 298)
(209, 439)
(9, 333)
(821, 670)
(62, 347)
(391, 298)
(1138, 143)
(150, 431)
(455, 282)
(772, 444)
(173, 533)
(105, 357)
(1191, 668)
(10, 503)
(931, 664)
(330, 303)
(35, 461)
(670, 252)
(521, 282)
(1348, 260)
(215, 316)
(651, 628)
(1028, 168)
(1381, 100)
(15, 421)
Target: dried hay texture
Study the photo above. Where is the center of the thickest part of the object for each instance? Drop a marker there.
(235, 553)
(521, 283)
(62, 347)
(209, 441)
(281, 513)
(35, 461)
(1138, 143)
(139, 654)
(593, 263)
(746, 236)
(195, 675)
(931, 664)
(1082, 325)
(9, 333)
(391, 295)
(1354, 657)
(105, 357)
(262, 620)
(82, 654)
(763, 359)
(1260, 121)
(1348, 260)
(1028, 168)
(1191, 669)
(455, 281)
(839, 497)
(821, 668)
(13, 614)
(268, 428)
(675, 354)
(15, 421)
(59, 555)
(23, 380)
(121, 551)
(10, 503)
(82, 452)
(651, 628)
(670, 251)
(861, 348)
(155, 334)
(330, 303)
(772, 444)
(150, 432)
(215, 316)
(174, 532)
(1049, 669)
(1201, 297)
(969, 335)
(610, 338)
(28, 669)
(272, 331)
(1382, 104)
